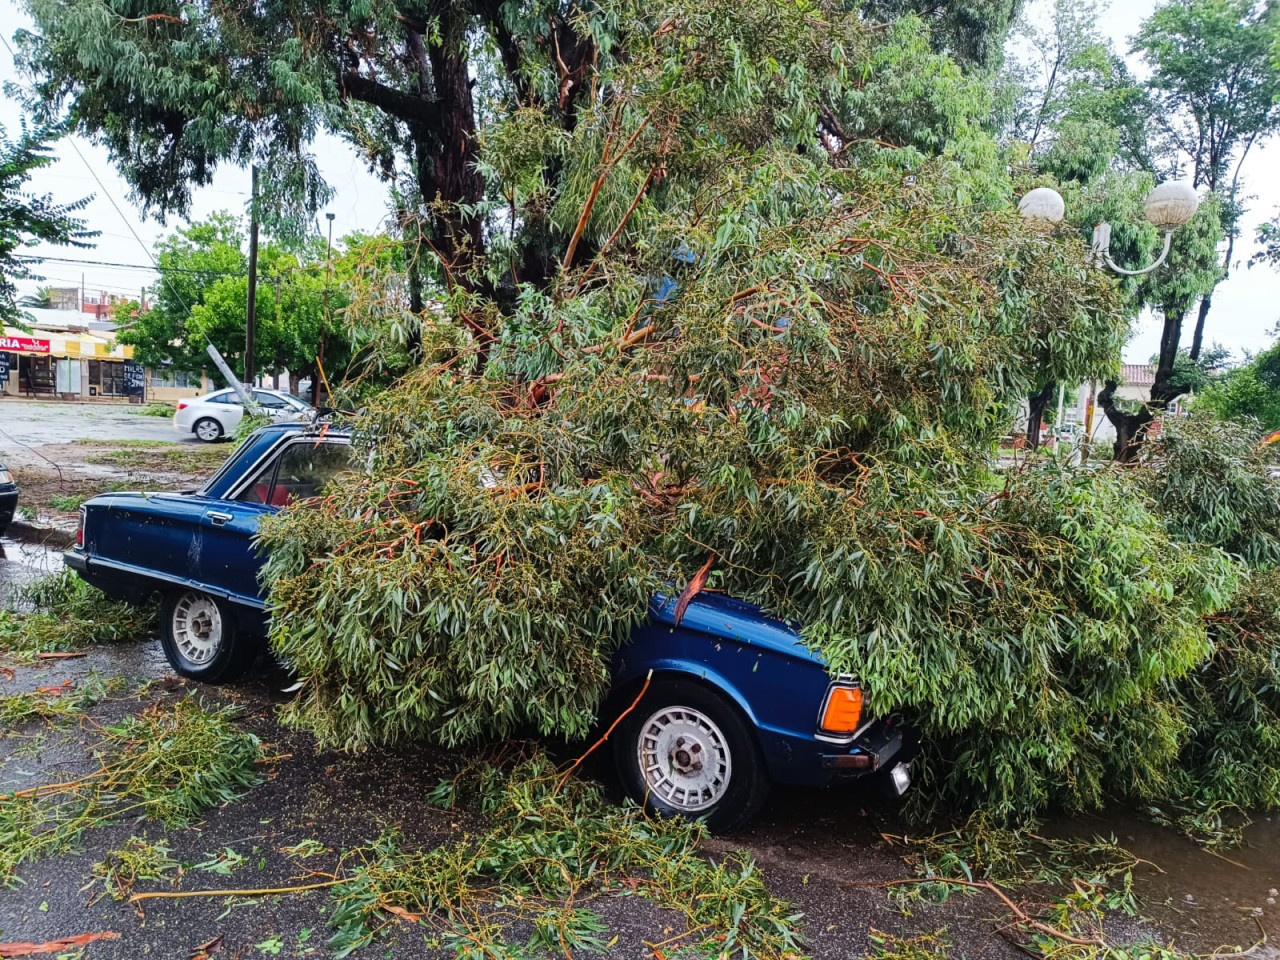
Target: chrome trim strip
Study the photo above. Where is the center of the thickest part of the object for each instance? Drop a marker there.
(256, 602)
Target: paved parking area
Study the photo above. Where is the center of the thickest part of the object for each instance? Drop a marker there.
(35, 423)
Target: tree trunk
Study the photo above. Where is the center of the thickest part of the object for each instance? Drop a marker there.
(1131, 428)
(1036, 404)
(1198, 339)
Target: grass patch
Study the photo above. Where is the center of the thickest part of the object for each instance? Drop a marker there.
(551, 845)
(168, 764)
(163, 456)
(26, 512)
(67, 503)
(154, 410)
(66, 614)
(130, 444)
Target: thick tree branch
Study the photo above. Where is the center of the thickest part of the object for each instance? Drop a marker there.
(397, 103)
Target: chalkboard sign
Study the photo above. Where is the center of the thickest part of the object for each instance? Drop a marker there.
(4, 368)
(135, 379)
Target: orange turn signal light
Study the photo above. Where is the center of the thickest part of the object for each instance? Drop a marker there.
(843, 710)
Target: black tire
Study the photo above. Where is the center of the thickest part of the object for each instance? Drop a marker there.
(213, 430)
(202, 639)
(673, 715)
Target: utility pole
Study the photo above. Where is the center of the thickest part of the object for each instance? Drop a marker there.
(251, 308)
(324, 318)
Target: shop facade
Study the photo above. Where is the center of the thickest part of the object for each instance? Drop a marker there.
(66, 365)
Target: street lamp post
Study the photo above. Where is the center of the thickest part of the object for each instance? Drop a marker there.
(1169, 206)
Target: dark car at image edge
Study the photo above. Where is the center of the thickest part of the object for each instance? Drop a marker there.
(735, 700)
(8, 498)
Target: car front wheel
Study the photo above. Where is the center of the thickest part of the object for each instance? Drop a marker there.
(208, 429)
(201, 639)
(687, 751)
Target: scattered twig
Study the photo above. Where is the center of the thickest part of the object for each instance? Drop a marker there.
(28, 949)
(634, 703)
(169, 894)
(990, 887)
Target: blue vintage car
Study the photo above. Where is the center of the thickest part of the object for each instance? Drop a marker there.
(735, 701)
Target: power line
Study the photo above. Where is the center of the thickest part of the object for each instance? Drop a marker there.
(134, 266)
(110, 199)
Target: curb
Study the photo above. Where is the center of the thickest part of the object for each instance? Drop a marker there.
(44, 536)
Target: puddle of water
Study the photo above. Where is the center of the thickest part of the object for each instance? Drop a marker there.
(1204, 900)
(22, 562)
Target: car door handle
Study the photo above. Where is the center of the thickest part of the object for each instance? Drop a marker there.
(219, 518)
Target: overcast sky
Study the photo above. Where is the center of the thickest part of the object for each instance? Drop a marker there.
(1245, 307)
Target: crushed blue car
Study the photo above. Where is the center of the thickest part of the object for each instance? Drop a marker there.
(735, 702)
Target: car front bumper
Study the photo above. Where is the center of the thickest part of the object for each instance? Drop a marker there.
(882, 747)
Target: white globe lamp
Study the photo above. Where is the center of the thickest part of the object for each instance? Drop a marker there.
(1172, 205)
(1043, 205)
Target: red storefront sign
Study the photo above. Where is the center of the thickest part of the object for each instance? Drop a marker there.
(24, 345)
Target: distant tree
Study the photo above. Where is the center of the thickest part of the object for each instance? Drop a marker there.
(1217, 88)
(1249, 392)
(27, 220)
(204, 293)
(191, 260)
(972, 31)
(42, 299)
(1268, 240)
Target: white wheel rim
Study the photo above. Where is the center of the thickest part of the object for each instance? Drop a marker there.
(684, 758)
(197, 628)
(207, 430)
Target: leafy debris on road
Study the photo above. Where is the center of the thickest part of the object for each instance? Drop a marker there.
(170, 764)
(552, 844)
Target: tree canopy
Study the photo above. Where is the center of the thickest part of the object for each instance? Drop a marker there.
(25, 219)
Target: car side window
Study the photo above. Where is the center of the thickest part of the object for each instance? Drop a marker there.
(299, 471)
(225, 398)
(269, 400)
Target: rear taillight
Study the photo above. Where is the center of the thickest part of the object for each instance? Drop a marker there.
(182, 404)
(80, 531)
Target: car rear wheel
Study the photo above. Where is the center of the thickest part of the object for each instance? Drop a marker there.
(201, 638)
(208, 429)
(686, 751)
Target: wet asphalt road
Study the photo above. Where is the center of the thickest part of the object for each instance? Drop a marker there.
(817, 849)
(34, 423)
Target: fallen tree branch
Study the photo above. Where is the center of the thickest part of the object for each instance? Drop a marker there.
(634, 703)
(991, 888)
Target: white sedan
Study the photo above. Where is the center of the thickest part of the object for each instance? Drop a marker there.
(217, 414)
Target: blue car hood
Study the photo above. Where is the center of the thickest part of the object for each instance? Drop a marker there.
(720, 615)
